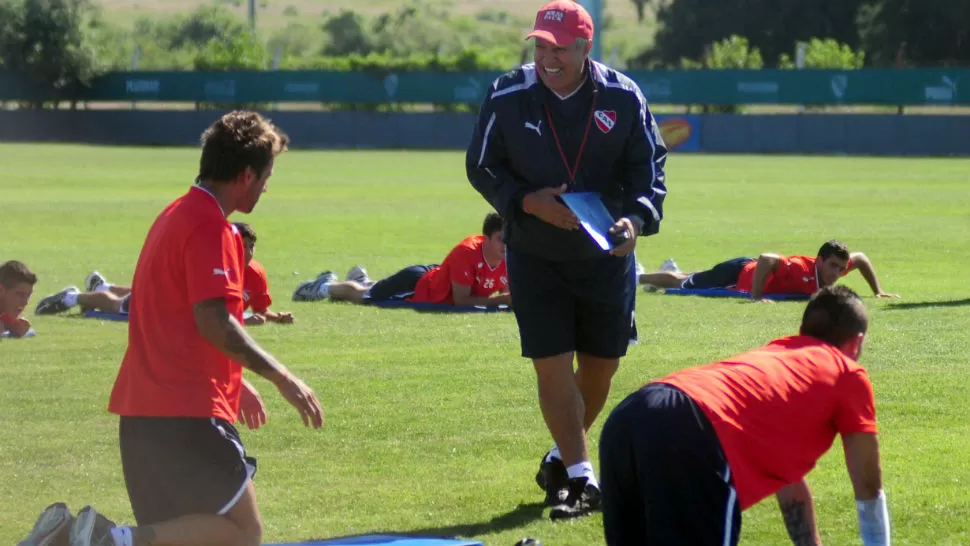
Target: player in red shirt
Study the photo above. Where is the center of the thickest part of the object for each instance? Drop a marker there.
(775, 274)
(16, 286)
(473, 273)
(180, 385)
(684, 455)
(116, 298)
(256, 285)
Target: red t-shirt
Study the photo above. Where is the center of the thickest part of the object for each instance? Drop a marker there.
(465, 265)
(191, 254)
(777, 409)
(794, 275)
(256, 288)
(7, 321)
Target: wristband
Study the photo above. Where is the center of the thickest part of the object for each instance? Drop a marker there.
(873, 520)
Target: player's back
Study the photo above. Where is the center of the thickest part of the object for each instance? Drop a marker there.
(778, 408)
(191, 254)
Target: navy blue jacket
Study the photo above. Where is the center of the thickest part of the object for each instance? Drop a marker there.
(513, 152)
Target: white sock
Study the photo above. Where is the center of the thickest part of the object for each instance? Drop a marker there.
(553, 454)
(122, 536)
(583, 470)
(104, 287)
(70, 299)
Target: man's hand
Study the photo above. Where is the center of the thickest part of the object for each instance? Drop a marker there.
(20, 327)
(301, 397)
(762, 300)
(624, 225)
(256, 320)
(544, 205)
(285, 318)
(882, 294)
(252, 410)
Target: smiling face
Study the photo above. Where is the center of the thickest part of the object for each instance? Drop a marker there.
(561, 67)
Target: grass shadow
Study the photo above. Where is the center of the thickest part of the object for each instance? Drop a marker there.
(925, 304)
(521, 516)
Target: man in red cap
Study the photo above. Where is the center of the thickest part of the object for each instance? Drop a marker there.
(567, 123)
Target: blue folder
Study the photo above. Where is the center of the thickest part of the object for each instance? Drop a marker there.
(592, 214)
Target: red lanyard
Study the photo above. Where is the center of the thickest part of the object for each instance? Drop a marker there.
(575, 168)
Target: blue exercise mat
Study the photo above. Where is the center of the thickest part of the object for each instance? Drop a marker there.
(385, 540)
(437, 307)
(123, 317)
(106, 316)
(726, 293)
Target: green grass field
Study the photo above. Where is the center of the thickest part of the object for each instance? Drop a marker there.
(432, 421)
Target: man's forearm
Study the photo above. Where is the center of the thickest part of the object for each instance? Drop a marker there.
(869, 274)
(761, 273)
(226, 334)
(798, 511)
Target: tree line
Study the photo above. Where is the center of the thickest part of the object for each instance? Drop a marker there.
(62, 44)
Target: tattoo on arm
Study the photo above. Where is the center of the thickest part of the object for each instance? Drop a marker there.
(143, 536)
(798, 524)
(236, 343)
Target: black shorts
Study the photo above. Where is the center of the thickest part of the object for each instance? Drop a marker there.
(577, 305)
(125, 304)
(178, 466)
(663, 474)
(398, 286)
(722, 275)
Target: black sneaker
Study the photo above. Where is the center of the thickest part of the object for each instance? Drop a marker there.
(91, 529)
(583, 500)
(55, 302)
(552, 479)
(52, 527)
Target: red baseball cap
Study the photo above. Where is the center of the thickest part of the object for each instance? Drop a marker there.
(561, 22)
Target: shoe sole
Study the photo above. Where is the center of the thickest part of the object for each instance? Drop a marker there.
(60, 516)
(83, 527)
(559, 515)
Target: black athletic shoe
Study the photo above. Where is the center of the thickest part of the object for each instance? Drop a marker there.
(55, 302)
(583, 499)
(52, 527)
(552, 479)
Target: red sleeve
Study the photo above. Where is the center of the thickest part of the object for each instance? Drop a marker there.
(857, 406)
(257, 288)
(849, 267)
(213, 265)
(462, 263)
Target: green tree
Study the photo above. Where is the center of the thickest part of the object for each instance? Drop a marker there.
(827, 53)
(46, 40)
(687, 27)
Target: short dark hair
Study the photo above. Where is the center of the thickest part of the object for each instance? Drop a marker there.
(238, 140)
(13, 273)
(246, 230)
(833, 248)
(492, 224)
(835, 314)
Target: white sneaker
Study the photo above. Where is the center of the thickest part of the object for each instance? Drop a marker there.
(358, 275)
(669, 266)
(94, 281)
